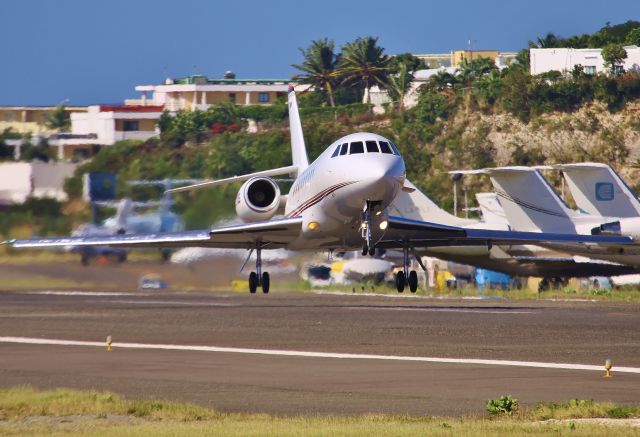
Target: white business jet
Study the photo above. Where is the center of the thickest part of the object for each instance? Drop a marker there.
(339, 202)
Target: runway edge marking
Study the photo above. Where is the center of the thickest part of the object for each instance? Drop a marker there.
(288, 353)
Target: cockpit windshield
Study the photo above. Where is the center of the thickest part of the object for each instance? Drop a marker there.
(370, 146)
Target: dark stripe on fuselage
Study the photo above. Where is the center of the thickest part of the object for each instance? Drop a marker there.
(317, 198)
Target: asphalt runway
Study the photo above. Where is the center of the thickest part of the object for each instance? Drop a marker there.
(404, 327)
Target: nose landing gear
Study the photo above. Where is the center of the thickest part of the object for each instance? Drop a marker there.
(406, 277)
(365, 228)
(259, 278)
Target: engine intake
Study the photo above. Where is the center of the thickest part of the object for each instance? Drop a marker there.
(258, 199)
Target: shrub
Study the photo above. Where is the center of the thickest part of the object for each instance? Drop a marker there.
(504, 405)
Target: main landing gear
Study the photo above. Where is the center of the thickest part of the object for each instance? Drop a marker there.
(365, 228)
(259, 278)
(406, 277)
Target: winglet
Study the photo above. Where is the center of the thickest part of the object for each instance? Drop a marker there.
(298, 148)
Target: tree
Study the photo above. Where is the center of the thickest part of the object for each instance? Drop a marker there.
(473, 70)
(615, 34)
(440, 81)
(58, 119)
(413, 63)
(399, 84)
(613, 56)
(633, 37)
(319, 67)
(364, 63)
(550, 40)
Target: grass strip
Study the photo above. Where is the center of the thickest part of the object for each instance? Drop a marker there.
(28, 412)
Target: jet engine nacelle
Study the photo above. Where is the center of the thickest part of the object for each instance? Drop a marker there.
(630, 226)
(258, 199)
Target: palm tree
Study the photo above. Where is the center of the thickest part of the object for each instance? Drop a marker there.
(319, 66)
(399, 85)
(550, 40)
(364, 62)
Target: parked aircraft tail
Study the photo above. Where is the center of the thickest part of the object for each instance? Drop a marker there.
(414, 204)
(529, 202)
(492, 212)
(597, 189)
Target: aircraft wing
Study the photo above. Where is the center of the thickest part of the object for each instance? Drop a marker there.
(273, 234)
(427, 234)
(292, 169)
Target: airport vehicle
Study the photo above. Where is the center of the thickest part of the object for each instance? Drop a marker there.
(338, 202)
(151, 282)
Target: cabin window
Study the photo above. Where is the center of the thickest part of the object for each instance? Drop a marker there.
(384, 147)
(395, 149)
(344, 148)
(372, 147)
(356, 147)
(335, 152)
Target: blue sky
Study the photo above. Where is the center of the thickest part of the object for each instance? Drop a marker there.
(96, 52)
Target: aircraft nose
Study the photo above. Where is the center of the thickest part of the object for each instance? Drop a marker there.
(388, 169)
(385, 177)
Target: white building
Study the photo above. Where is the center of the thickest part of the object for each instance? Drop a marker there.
(200, 92)
(116, 123)
(21, 180)
(565, 59)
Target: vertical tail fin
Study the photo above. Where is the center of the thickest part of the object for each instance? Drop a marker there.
(417, 206)
(529, 202)
(125, 207)
(298, 148)
(492, 212)
(599, 190)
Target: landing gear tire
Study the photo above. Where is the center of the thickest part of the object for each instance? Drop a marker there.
(265, 283)
(544, 285)
(400, 281)
(372, 250)
(84, 260)
(122, 257)
(365, 249)
(165, 254)
(413, 281)
(253, 282)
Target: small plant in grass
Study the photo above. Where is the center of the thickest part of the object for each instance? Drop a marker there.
(600, 292)
(621, 412)
(504, 405)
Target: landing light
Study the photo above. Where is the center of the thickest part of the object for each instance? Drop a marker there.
(312, 226)
(383, 225)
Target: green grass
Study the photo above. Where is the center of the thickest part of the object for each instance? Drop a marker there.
(28, 412)
(39, 282)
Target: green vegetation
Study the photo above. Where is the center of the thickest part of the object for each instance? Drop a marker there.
(58, 119)
(24, 411)
(502, 406)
